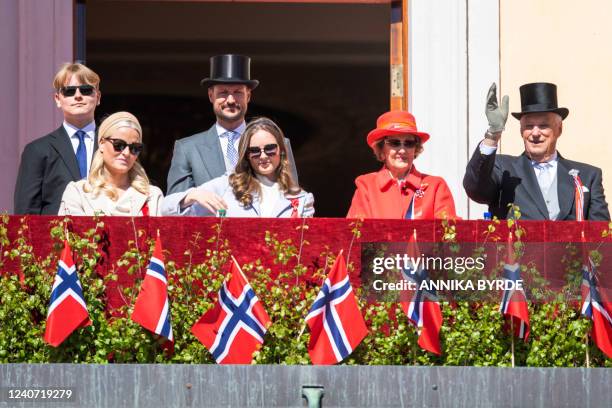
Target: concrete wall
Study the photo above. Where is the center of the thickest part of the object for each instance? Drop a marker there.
(153, 385)
(35, 38)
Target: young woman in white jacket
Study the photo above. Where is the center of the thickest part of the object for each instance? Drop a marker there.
(261, 185)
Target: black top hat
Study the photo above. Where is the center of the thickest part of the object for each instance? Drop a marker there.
(230, 69)
(539, 97)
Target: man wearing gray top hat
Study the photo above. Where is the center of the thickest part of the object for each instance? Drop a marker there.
(206, 155)
(543, 184)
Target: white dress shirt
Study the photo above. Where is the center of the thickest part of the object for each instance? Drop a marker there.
(90, 134)
(224, 140)
(487, 150)
(552, 170)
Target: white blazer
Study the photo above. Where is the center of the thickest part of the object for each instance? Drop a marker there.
(76, 201)
(220, 185)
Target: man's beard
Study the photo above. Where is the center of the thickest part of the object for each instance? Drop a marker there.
(236, 116)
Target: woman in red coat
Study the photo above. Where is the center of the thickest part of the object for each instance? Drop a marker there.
(399, 190)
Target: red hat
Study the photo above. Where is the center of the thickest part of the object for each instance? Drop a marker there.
(395, 123)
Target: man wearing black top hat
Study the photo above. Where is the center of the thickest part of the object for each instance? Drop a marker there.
(206, 155)
(543, 184)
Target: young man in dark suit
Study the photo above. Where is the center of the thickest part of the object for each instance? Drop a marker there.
(49, 163)
(210, 154)
(541, 182)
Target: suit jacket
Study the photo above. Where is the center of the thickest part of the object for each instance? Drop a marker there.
(199, 158)
(75, 201)
(378, 196)
(498, 180)
(47, 165)
(221, 186)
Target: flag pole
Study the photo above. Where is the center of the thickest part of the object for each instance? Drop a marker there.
(586, 335)
(586, 342)
(220, 226)
(140, 274)
(324, 269)
(66, 231)
(414, 349)
(512, 338)
(416, 342)
(299, 256)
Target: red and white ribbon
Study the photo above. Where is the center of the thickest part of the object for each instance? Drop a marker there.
(579, 194)
(295, 203)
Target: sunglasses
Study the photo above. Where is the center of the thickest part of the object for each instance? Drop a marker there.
(269, 149)
(86, 90)
(396, 143)
(120, 145)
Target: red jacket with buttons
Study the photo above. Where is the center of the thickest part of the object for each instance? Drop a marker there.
(378, 195)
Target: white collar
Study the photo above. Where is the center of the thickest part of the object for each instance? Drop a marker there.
(89, 129)
(221, 130)
(553, 161)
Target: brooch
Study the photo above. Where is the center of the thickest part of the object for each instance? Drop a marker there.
(295, 203)
(420, 192)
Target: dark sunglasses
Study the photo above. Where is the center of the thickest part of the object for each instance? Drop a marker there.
(396, 143)
(120, 145)
(86, 90)
(269, 149)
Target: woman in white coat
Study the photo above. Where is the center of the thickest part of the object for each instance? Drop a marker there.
(117, 184)
(261, 185)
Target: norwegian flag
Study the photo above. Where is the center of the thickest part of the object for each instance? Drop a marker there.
(67, 309)
(594, 306)
(335, 321)
(514, 302)
(423, 310)
(235, 327)
(152, 309)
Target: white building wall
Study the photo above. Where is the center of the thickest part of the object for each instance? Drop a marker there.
(454, 57)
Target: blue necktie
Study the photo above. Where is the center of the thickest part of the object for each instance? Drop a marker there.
(232, 153)
(81, 154)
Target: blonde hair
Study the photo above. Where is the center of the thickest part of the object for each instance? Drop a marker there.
(96, 182)
(243, 181)
(83, 74)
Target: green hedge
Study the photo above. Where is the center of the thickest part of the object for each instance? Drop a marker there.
(472, 334)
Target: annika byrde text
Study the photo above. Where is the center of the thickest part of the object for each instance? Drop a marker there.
(409, 266)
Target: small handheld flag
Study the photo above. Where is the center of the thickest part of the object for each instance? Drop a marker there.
(594, 306)
(423, 310)
(152, 309)
(67, 308)
(235, 327)
(514, 303)
(336, 324)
